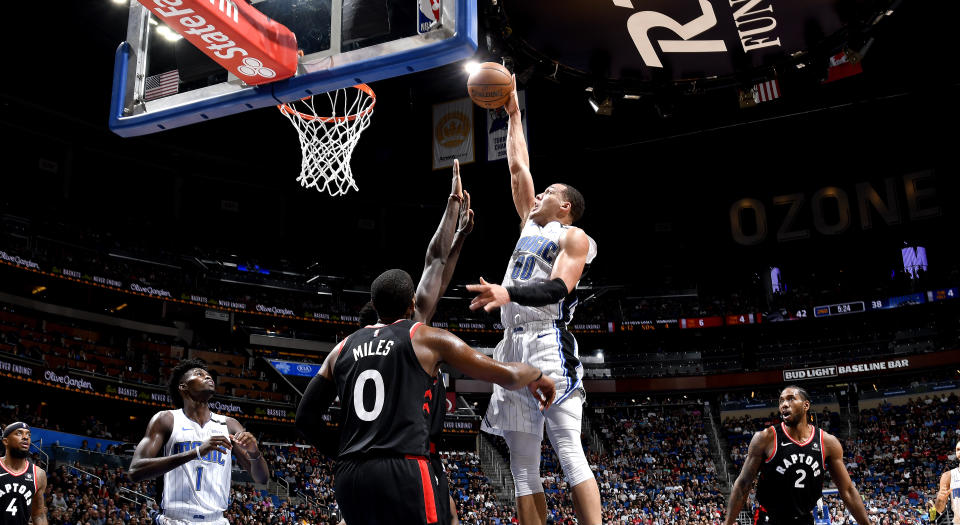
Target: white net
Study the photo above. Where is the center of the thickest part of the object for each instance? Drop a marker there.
(328, 135)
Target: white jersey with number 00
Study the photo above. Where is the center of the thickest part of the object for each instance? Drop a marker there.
(198, 490)
(532, 260)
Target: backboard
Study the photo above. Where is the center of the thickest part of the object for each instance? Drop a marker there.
(162, 82)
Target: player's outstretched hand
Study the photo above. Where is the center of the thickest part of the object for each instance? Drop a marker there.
(489, 296)
(513, 102)
(219, 443)
(246, 443)
(465, 221)
(544, 390)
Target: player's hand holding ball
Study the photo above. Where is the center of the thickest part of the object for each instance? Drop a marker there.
(491, 85)
(512, 105)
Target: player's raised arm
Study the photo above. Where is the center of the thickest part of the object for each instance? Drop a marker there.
(464, 227)
(518, 159)
(838, 472)
(748, 473)
(448, 348)
(431, 286)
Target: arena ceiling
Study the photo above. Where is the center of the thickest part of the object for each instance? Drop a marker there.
(659, 173)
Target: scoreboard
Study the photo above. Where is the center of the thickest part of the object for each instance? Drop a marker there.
(853, 307)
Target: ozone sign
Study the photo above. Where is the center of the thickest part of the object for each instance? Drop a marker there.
(673, 39)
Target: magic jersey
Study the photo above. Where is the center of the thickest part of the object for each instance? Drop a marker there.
(533, 258)
(17, 490)
(791, 479)
(955, 494)
(198, 490)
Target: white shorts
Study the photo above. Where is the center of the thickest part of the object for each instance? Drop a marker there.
(218, 520)
(554, 351)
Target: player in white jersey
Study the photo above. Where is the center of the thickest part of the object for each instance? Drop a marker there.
(536, 302)
(950, 490)
(197, 447)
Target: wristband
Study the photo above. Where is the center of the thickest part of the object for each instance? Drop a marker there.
(538, 377)
(198, 453)
(455, 196)
(251, 458)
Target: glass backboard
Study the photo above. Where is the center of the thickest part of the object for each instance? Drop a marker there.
(162, 82)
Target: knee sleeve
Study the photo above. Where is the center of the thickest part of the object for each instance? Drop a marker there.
(566, 443)
(524, 462)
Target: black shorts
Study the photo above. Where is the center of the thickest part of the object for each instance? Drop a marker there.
(443, 491)
(388, 490)
(761, 517)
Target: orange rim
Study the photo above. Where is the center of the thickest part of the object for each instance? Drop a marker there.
(362, 87)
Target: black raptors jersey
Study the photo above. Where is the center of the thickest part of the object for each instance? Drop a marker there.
(791, 479)
(437, 408)
(385, 394)
(16, 494)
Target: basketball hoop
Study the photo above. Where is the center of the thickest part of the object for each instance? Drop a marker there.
(327, 142)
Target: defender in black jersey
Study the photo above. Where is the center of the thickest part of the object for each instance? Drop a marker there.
(791, 458)
(439, 262)
(22, 483)
(384, 375)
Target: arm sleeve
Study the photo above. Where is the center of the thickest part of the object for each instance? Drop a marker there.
(317, 398)
(538, 293)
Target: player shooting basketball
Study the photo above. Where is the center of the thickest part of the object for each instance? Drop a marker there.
(536, 302)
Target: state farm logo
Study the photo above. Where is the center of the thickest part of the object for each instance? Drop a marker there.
(252, 67)
(453, 129)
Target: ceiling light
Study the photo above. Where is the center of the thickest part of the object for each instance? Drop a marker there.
(604, 107)
(167, 33)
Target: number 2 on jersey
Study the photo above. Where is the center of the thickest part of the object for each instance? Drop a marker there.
(803, 476)
(523, 268)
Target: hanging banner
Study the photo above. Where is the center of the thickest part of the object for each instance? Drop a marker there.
(452, 133)
(496, 128)
(667, 40)
(15, 368)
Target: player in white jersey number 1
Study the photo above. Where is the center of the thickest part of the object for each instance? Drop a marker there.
(536, 302)
(191, 447)
(950, 491)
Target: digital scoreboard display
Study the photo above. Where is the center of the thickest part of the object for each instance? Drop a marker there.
(852, 307)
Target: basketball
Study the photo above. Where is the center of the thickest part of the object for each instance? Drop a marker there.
(490, 85)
